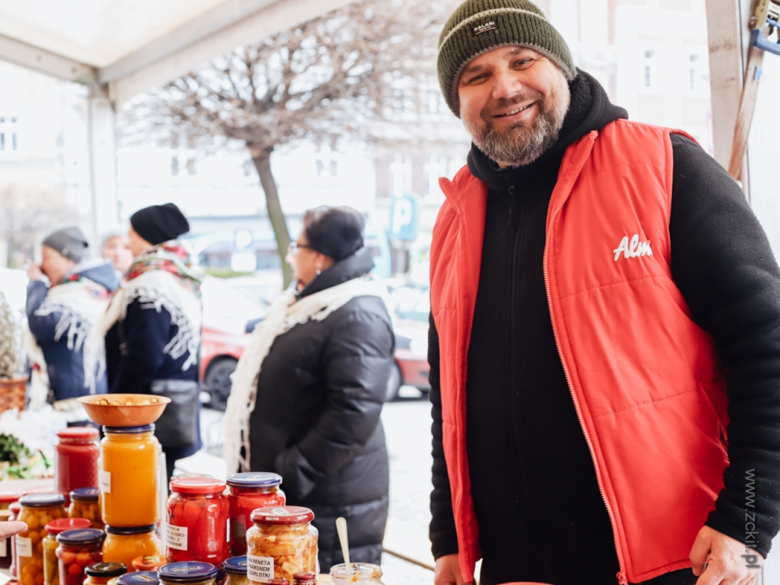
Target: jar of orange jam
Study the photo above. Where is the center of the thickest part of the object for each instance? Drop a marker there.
(122, 545)
(129, 476)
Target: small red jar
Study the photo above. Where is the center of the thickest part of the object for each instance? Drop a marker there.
(77, 459)
(198, 512)
(77, 550)
(247, 492)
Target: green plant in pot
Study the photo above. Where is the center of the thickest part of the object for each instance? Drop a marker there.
(13, 380)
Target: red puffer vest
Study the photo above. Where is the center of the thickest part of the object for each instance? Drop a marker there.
(645, 379)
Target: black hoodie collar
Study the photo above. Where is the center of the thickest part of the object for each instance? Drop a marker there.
(359, 264)
(590, 109)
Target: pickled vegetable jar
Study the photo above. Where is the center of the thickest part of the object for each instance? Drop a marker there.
(235, 571)
(359, 574)
(139, 578)
(50, 562)
(149, 563)
(78, 550)
(122, 545)
(84, 503)
(16, 511)
(76, 462)
(128, 479)
(188, 573)
(282, 542)
(197, 521)
(248, 492)
(37, 511)
(102, 573)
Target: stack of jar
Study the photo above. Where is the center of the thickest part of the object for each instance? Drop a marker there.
(129, 488)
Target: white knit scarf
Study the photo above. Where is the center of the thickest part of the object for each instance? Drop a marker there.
(284, 314)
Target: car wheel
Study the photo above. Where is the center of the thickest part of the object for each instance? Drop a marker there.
(217, 381)
(393, 383)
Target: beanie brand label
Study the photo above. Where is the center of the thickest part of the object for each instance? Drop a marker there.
(483, 28)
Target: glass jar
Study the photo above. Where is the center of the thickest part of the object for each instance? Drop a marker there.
(188, 573)
(197, 521)
(37, 511)
(50, 562)
(16, 511)
(248, 492)
(360, 574)
(122, 545)
(305, 579)
(78, 550)
(149, 563)
(102, 573)
(282, 542)
(235, 571)
(138, 578)
(128, 479)
(85, 503)
(76, 460)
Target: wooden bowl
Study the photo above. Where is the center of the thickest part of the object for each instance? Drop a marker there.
(124, 410)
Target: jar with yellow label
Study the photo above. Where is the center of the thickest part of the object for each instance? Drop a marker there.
(50, 563)
(102, 573)
(122, 545)
(129, 476)
(37, 511)
(84, 503)
(188, 573)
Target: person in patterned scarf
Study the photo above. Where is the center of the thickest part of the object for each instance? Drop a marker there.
(61, 314)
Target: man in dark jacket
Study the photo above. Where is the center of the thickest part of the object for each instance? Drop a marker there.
(539, 506)
(61, 315)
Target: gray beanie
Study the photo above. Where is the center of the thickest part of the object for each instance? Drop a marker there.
(69, 241)
(478, 26)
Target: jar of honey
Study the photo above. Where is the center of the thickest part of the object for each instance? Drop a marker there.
(122, 545)
(37, 511)
(197, 521)
(102, 573)
(50, 562)
(76, 461)
(129, 477)
(78, 550)
(85, 503)
(247, 492)
(188, 573)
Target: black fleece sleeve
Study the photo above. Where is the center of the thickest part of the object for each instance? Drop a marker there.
(722, 263)
(444, 539)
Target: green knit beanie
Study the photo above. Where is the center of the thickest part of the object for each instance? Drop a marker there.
(478, 26)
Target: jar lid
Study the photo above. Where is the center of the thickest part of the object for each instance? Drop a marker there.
(235, 565)
(255, 479)
(130, 531)
(83, 536)
(282, 515)
(138, 578)
(42, 500)
(187, 571)
(63, 524)
(106, 570)
(9, 497)
(79, 433)
(85, 494)
(129, 430)
(197, 485)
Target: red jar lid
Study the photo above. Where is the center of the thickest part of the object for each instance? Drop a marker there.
(78, 434)
(197, 485)
(63, 524)
(9, 497)
(282, 515)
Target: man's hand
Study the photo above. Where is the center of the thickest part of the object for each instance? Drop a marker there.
(448, 571)
(8, 529)
(34, 272)
(727, 560)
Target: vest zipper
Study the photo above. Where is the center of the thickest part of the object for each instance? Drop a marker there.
(621, 576)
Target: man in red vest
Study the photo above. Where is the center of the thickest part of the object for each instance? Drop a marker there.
(604, 335)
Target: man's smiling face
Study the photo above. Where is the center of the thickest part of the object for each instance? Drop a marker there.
(513, 101)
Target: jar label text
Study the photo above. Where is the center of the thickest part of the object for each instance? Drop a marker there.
(260, 569)
(176, 537)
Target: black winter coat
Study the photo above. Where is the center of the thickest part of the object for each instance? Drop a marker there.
(316, 420)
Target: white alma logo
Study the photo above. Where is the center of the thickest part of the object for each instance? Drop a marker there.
(633, 249)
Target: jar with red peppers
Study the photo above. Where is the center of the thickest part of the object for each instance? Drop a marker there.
(248, 492)
(197, 521)
(78, 550)
(76, 463)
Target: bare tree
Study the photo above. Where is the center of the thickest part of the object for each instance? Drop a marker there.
(325, 80)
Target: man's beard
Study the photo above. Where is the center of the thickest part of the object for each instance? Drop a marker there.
(521, 144)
